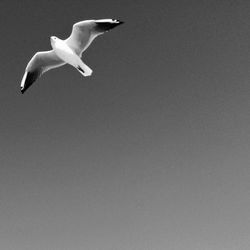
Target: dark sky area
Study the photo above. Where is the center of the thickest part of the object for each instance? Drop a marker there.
(149, 153)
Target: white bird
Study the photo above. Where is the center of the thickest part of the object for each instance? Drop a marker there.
(67, 51)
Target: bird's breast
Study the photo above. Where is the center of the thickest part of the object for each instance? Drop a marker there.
(64, 52)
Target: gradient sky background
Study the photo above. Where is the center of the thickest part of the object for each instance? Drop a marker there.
(149, 153)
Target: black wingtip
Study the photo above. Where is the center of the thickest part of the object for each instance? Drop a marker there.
(104, 26)
(117, 21)
(28, 79)
(120, 22)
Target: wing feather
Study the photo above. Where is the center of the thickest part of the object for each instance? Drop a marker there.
(81, 36)
(39, 64)
(84, 32)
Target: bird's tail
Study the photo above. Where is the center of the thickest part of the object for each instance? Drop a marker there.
(84, 69)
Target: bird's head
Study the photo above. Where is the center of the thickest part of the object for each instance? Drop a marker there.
(53, 39)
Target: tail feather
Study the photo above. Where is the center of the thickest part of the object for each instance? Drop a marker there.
(84, 69)
(81, 70)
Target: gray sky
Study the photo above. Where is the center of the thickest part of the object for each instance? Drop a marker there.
(149, 153)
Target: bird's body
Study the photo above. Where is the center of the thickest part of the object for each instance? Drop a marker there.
(61, 49)
(68, 51)
(66, 54)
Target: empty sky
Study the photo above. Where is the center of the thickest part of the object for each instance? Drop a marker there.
(149, 153)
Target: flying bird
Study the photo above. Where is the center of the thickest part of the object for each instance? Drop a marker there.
(68, 51)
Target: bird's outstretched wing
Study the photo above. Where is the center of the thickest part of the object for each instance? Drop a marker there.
(81, 36)
(39, 64)
(84, 32)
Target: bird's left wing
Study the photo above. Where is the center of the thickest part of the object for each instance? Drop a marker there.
(39, 64)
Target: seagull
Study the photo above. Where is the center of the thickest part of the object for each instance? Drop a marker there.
(68, 51)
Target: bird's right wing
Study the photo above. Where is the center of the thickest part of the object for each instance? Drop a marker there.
(81, 36)
(84, 32)
(39, 64)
